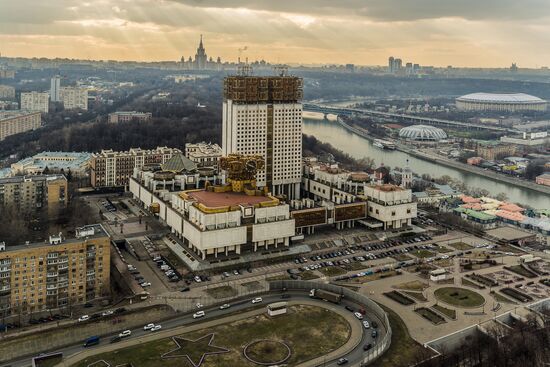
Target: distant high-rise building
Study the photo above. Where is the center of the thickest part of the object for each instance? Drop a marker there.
(390, 64)
(263, 116)
(514, 68)
(200, 57)
(35, 101)
(55, 89)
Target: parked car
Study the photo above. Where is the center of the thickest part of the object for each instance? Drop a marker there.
(185, 289)
(83, 318)
(225, 306)
(342, 361)
(358, 315)
(107, 313)
(367, 346)
(199, 305)
(257, 300)
(156, 327)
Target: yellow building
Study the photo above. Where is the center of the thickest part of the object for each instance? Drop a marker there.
(59, 273)
(30, 193)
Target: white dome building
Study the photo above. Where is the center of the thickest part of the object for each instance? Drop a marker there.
(500, 102)
(422, 133)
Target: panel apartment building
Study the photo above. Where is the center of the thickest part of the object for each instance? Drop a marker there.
(7, 92)
(35, 101)
(74, 98)
(15, 122)
(263, 116)
(126, 116)
(110, 169)
(31, 193)
(59, 273)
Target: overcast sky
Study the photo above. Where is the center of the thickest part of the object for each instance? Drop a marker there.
(365, 32)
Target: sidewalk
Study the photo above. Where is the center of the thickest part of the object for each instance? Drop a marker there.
(353, 341)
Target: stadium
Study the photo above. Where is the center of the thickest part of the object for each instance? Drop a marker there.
(422, 133)
(500, 102)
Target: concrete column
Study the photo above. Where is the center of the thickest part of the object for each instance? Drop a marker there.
(255, 246)
(216, 252)
(238, 249)
(226, 247)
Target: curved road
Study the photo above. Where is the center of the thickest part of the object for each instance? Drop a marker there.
(72, 354)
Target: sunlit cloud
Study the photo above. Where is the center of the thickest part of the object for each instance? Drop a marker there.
(364, 32)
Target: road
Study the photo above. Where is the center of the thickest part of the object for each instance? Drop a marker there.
(214, 313)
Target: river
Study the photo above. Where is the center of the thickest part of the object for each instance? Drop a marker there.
(331, 132)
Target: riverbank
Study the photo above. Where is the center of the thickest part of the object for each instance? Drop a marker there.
(454, 164)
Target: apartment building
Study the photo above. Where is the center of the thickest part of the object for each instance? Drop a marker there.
(114, 169)
(263, 116)
(15, 122)
(58, 273)
(7, 92)
(35, 101)
(492, 152)
(203, 154)
(31, 193)
(7, 74)
(74, 98)
(126, 116)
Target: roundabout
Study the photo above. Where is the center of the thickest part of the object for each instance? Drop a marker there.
(459, 297)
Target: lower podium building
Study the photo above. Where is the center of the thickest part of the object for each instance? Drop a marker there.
(225, 219)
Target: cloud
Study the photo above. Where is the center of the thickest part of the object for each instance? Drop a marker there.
(434, 32)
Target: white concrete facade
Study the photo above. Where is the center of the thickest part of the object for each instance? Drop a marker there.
(74, 98)
(263, 129)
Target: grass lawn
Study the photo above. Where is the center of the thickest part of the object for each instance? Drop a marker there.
(356, 266)
(50, 362)
(225, 291)
(500, 298)
(459, 297)
(308, 275)
(252, 286)
(279, 277)
(422, 253)
(399, 298)
(415, 285)
(445, 311)
(518, 269)
(416, 295)
(430, 316)
(401, 257)
(442, 249)
(333, 271)
(461, 246)
(309, 331)
(371, 277)
(403, 350)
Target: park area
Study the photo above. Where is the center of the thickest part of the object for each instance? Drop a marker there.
(307, 331)
(459, 297)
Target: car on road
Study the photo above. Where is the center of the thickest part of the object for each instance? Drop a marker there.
(358, 315)
(226, 274)
(225, 306)
(197, 279)
(196, 315)
(257, 300)
(236, 272)
(83, 318)
(185, 289)
(199, 305)
(374, 333)
(145, 284)
(342, 361)
(366, 324)
(349, 308)
(156, 327)
(367, 346)
(125, 333)
(107, 313)
(115, 339)
(149, 326)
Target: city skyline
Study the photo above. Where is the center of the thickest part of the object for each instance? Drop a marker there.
(492, 34)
